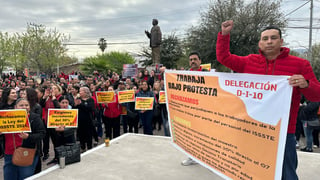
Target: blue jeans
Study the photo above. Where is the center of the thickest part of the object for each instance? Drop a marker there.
(146, 119)
(290, 160)
(308, 134)
(99, 123)
(13, 172)
(124, 120)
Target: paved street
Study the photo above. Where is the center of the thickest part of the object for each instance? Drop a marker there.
(156, 132)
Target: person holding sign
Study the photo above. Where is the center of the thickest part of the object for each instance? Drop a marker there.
(194, 62)
(49, 100)
(8, 99)
(63, 135)
(146, 115)
(29, 140)
(111, 117)
(274, 60)
(85, 104)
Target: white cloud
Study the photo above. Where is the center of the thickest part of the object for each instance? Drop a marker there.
(125, 20)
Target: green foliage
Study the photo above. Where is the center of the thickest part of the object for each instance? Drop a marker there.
(316, 60)
(249, 19)
(43, 48)
(38, 49)
(103, 62)
(4, 50)
(170, 52)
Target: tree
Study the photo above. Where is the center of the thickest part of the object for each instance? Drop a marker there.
(102, 44)
(4, 50)
(43, 49)
(249, 19)
(315, 63)
(110, 61)
(171, 51)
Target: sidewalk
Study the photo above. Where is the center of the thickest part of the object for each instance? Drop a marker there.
(140, 157)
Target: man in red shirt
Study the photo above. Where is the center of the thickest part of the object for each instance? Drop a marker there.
(274, 60)
(194, 62)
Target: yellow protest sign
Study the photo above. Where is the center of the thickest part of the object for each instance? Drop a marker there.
(105, 96)
(206, 66)
(162, 97)
(126, 96)
(13, 121)
(144, 103)
(62, 117)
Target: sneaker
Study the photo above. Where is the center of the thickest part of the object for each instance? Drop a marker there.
(306, 149)
(297, 145)
(315, 146)
(188, 162)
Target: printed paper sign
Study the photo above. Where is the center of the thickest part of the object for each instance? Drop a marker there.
(144, 103)
(162, 97)
(130, 70)
(105, 96)
(62, 117)
(14, 121)
(206, 66)
(233, 124)
(126, 96)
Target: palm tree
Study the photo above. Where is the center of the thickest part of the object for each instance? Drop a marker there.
(102, 44)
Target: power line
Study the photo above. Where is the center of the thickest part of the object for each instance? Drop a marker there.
(297, 8)
(96, 44)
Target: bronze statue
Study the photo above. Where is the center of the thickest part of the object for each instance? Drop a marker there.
(155, 41)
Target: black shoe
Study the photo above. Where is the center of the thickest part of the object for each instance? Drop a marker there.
(53, 161)
(45, 157)
(306, 149)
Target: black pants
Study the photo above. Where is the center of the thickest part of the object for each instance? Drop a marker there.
(50, 133)
(299, 129)
(133, 124)
(112, 126)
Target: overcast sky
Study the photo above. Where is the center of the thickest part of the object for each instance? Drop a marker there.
(124, 21)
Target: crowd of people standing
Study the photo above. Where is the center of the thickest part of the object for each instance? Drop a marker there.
(76, 91)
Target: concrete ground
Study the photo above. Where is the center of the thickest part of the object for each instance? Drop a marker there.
(139, 157)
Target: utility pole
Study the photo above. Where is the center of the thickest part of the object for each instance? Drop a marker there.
(310, 32)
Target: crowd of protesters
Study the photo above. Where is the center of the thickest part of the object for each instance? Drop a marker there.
(77, 91)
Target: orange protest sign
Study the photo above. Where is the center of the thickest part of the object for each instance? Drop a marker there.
(126, 96)
(232, 124)
(144, 103)
(162, 97)
(13, 121)
(105, 96)
(62, 117)
(123, 110)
